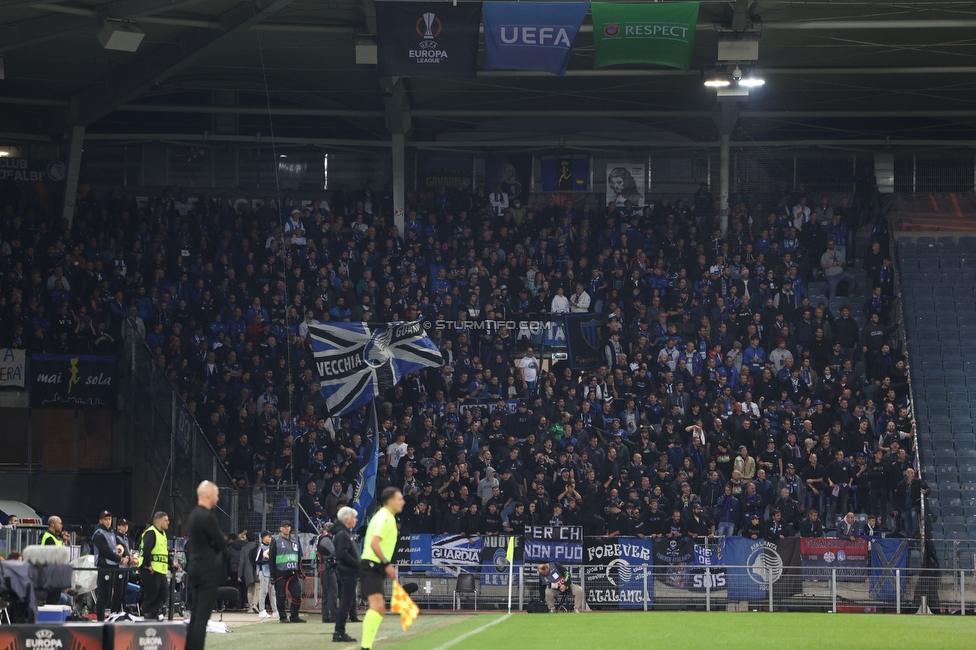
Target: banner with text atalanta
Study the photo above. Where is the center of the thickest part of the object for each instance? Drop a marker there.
(65, 381)
(531, 35)
(662, 33)
(427, 39)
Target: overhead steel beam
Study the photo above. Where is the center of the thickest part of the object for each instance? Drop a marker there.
(244, 139)
(740, 15)
(247, 110)
(135, 78)
(663, 72)
(32, 101)
(71, 19)
(794, 25)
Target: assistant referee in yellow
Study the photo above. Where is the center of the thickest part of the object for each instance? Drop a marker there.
(378, 546)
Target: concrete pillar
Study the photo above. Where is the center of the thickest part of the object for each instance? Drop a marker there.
(74, 169)
(399, 186)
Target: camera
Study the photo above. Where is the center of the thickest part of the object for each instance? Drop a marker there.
(736, 74)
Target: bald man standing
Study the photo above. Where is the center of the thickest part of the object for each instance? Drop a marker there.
(203, 558)
(53, 537)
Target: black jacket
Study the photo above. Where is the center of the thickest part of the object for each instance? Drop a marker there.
(205, 547)
(346, 554)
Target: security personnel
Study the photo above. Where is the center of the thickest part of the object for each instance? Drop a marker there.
(107, 560)
(155, 565)
(325, 548)
(121, 583)
(285, 559)
(52, 537)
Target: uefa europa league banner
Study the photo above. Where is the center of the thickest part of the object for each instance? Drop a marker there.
(659, 33)
(427, 39)
(531, 35)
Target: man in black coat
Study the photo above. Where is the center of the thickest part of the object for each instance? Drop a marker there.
(108, 560)
(204, 550)
(347, 569)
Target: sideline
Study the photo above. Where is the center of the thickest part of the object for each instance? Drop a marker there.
(471, 633)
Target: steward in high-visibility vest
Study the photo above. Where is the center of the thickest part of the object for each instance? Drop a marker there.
(155, 564)
(52, 536)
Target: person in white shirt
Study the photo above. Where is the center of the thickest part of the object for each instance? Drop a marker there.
(499, 200)
(529, 366)
(560, 303)
(801, 213)
(579, 302)
(397, 450)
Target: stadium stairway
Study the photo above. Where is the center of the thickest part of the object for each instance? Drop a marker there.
(937, 284)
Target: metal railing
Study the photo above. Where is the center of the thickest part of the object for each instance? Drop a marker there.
(258, 508)
(164, 435)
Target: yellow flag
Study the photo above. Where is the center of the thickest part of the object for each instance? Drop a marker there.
(401, 603)
(510, 553)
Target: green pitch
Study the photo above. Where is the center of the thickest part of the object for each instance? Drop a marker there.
(686, 630)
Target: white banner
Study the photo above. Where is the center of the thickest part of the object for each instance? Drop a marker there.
(627, 181)
(13, 367)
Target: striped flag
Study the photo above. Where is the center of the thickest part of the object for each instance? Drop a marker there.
(356, 362)
(401, 603)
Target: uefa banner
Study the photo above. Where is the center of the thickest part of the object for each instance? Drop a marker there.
(446, 170)
(566, 173)
(554, 544)
(427, 39)
(73, 382)
(531, 35)
(585, 334)
(820, 555)
(13, 367)
(657, 33)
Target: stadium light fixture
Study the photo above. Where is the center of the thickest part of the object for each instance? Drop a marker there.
(4, 153)
(717, 83)
(752, 82)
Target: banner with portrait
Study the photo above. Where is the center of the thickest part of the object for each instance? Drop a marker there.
(514, 172)
(627, 181)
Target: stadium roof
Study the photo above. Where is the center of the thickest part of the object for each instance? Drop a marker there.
(849, 72)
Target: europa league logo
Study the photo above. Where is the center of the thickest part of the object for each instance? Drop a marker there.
(432, 26)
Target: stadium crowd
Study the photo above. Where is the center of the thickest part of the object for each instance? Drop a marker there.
(727, 402)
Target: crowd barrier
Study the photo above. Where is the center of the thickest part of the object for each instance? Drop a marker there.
(95, 636)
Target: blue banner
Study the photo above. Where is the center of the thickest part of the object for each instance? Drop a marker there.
(366, 489)
(634, 560)
(413, 549)
(886, 556)
(711, 556)
(531, 35)
(554, 544)
(494, 564)
(754, 565)
(569, 173)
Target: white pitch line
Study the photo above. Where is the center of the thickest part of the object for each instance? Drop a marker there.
(471, 633)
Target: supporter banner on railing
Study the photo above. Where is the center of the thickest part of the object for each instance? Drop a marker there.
(615, 571)
(73, 382)
(446, 170)
(494, 564)
(821, 554)
(427, 39)
(887, 555)
(531, 35)
(627, 181)
(566, 173)
(675, 557)
(662, 33)
(554, 544)
(755, 564)
(13, 367)
(585, 334)
(455, 553)
(712, 557)
(412, 549)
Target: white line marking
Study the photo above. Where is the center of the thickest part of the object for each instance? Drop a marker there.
(471, 633)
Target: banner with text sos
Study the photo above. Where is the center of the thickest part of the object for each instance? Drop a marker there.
(67, 381)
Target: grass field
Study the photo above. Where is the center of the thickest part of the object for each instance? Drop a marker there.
(684, 630)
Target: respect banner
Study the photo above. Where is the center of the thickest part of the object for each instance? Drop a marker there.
(659, 33)
(427, 39)
(820, 555)
(73, 382)
(531, 35)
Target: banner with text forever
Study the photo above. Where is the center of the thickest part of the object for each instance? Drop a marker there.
(661, 33)
(427, 39)
(531, 35)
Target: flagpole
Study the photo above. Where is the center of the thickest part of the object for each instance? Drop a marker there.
(511, 566)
